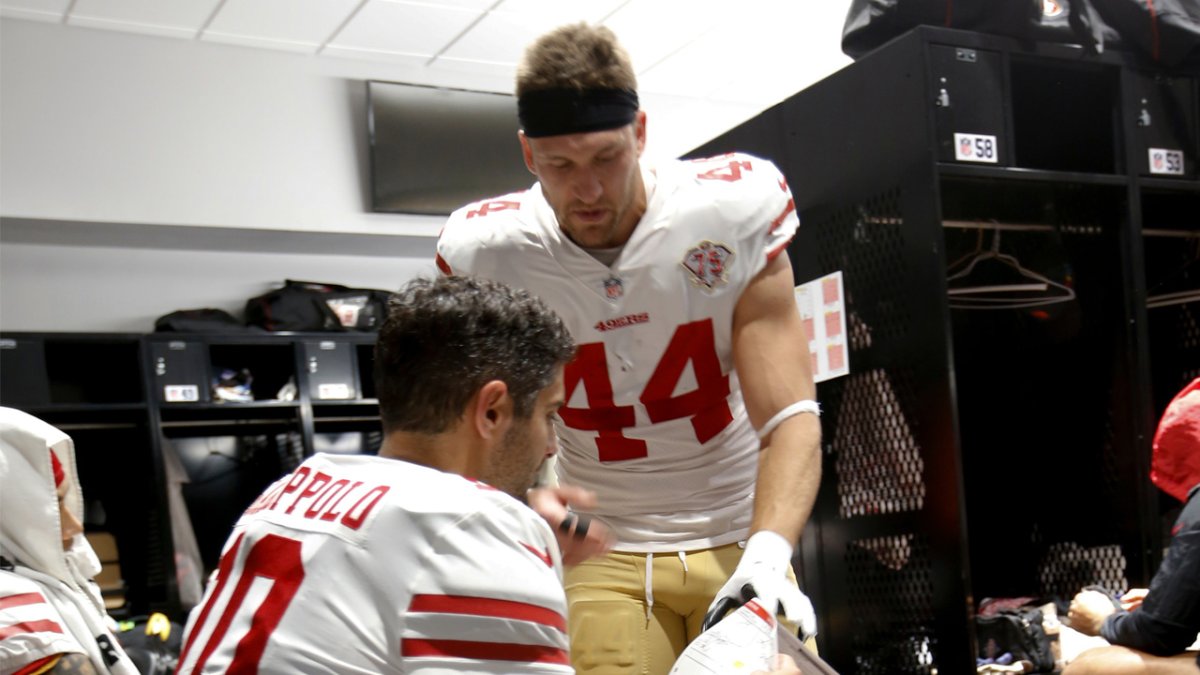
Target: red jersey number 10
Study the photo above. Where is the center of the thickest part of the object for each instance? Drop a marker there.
(273, 557)
(707, 405)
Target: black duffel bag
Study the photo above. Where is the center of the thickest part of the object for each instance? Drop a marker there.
(1168, 31)
(870, 23)
(313, 306)
(1018, 632)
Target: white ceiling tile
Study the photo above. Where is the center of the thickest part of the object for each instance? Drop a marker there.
(20, 8)
(580, 10)
(130, 27)
(178, 14)
(414, 60)
(405, 28)
(480, 5)
(651, 30)
(504, 74)
(263, 43)
(30, 14)
(502, 36)
(291, 21)
(695, 70)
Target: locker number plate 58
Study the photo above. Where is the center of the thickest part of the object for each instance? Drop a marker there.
(976, 148)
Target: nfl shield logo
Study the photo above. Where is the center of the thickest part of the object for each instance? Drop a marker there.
(707, 262)
(613, 289)
(965, 147)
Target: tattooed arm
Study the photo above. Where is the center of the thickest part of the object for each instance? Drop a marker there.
(74, 664)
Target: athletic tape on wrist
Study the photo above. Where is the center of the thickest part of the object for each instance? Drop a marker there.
(805, 406)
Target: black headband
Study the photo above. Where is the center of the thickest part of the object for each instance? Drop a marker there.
(552, 112)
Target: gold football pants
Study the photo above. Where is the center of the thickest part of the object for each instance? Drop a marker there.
(633, 613)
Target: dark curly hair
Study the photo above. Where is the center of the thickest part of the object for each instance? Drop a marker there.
(444, 338)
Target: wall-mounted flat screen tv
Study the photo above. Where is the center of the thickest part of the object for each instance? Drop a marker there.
(434, 150)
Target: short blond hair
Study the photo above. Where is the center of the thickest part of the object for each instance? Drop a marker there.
(576, 56)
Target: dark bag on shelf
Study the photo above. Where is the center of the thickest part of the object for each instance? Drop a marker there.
(205, 320)
(1018, 632)
(870, 23)
(312, 306)
(1168, 31)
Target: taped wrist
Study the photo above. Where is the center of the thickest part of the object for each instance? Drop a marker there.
(767, 548)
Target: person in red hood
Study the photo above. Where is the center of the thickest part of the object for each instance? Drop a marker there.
(52, 618)
(1150, 629)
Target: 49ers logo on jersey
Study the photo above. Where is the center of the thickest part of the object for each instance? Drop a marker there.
(707, 263)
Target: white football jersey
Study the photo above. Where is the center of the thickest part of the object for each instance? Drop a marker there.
(654, 421)
(31, 628)
(357, 564)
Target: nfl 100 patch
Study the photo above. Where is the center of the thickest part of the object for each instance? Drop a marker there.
(707, 263)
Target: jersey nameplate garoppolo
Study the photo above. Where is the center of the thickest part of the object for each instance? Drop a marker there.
(357, 564)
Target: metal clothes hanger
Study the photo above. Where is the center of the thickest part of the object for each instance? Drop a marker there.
(1177, 297)
(1034, 290)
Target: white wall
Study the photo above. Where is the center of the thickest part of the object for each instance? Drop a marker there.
(95, 288)
(112, 127)
(141, 174)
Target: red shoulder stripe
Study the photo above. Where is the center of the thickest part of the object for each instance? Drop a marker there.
(483, 651)
(774, 253)
(40, 666)
(44, 626)
(791, 206)
(476, 606)
(21, 599)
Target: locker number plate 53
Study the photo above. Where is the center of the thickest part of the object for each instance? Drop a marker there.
(1168, 162)
(975, 148)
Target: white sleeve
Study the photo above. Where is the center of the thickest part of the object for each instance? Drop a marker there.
(781, 210)
(470, 231)
(490, 600)
(31, 628)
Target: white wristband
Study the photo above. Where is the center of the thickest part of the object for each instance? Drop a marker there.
(805, 406)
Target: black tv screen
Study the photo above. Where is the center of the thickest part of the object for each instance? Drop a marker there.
(434, 150)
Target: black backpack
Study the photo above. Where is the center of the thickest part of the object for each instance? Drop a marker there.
(1018, 632)
(312, 306)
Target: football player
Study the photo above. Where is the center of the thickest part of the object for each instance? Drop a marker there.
(52, 617)
(689, 403)
(422, 559)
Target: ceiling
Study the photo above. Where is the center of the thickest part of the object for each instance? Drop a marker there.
(710, 63)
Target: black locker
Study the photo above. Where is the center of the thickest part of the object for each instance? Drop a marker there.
(180, 372)
(330, 369)
(23, 379)
(968, 104)
(1164, 107)
(952, 473)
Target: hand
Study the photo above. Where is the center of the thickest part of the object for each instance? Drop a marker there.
(579, 537)
(763, 567)
(1088, 611)
(783, 665)
(1133, 598)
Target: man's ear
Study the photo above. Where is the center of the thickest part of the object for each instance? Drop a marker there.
(639, 131)
(493, 410)
(526, 152)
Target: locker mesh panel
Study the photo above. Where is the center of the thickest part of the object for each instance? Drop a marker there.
(879, 466)
(866, 242)
(878, 461)
(1068, 567)
(890, 601)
